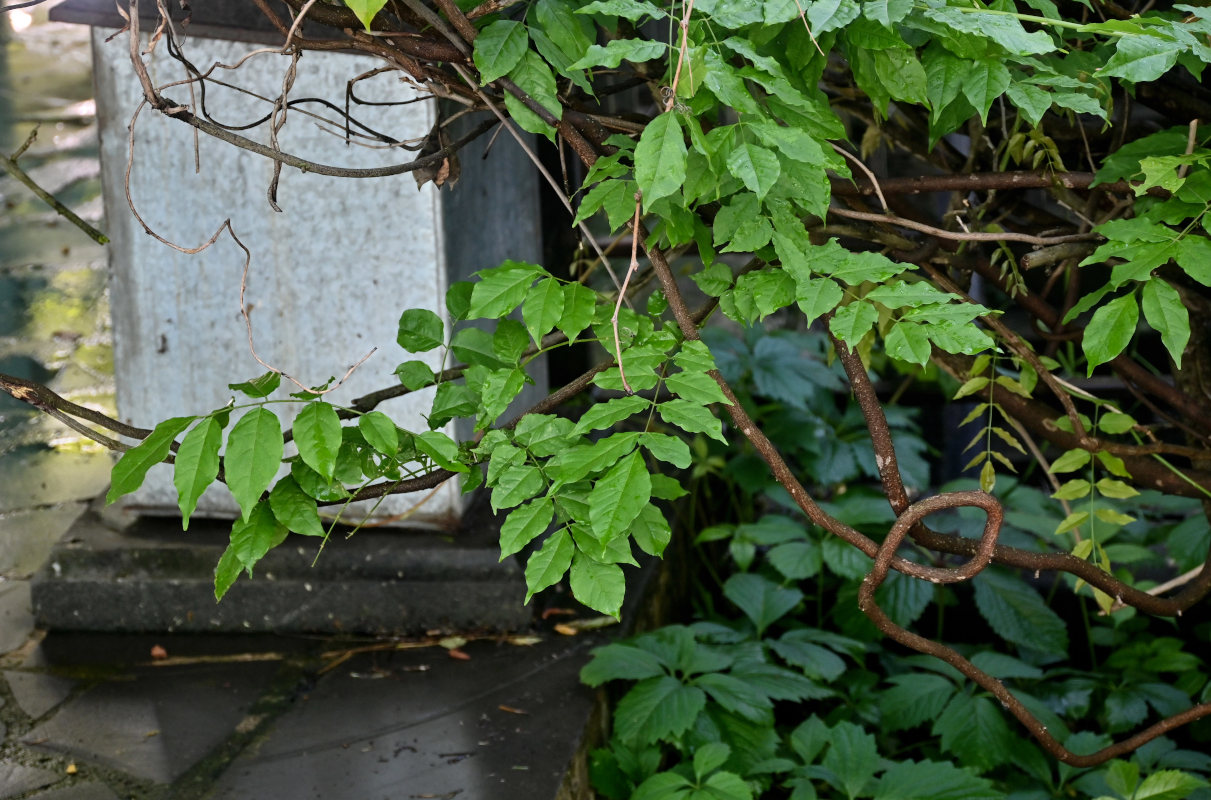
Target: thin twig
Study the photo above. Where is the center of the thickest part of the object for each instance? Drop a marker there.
(1191, 140)
(867, 171)
(959, 236)
(546, 174)
(298, 21)
(622, 292)
(10, 166)
(685, 41)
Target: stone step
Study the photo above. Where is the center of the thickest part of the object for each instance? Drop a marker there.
(152, 577)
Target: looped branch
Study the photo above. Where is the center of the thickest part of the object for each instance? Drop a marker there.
(992, 527)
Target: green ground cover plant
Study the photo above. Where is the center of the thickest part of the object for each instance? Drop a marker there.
(998, 204)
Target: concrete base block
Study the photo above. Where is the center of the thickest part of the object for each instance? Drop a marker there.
(151, 577)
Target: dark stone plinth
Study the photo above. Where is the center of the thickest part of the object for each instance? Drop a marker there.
(152, 577)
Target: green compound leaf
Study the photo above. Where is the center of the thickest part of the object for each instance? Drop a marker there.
(1073, 490)
(853, 321)
(651, 530)
(909, 341)
(263, 386)
(1168, 784)
(474, 346)
(1141, 59)
(1164, 311)
(908, 780)
(633, 10)
(317, 433)
(852, 756)
(818, 296)
(515, 485)
(543, 308)
(254, 454)
(691, 418)
(499, 48)
(606, 415)
(420, 330)
(442, 449)
(575, 463)
(660, 159)
(762, 601)
(696, 387)
(599, 586)
(608, 551)
(579, 303)
(294, 508)
(365, 10)
(1116, 423)
(756, 167)
(621, 662)
(452, 400)
(634, 50)
(415, 375)
(1110, 330)
(827, 15)
(226, 572)
(501, 289)
(974, 729)
(657, 708)
(255, 536)
(550, 563)
(197, 465)
(1018, 615)
(535, 78)
(669, 449)
(499, 390)
(379, 432)
(914, 699)
(1070, 461)
(510, 341)
(525, 524)
(619, 496)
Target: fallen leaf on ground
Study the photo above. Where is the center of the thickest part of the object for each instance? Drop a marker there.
(454, 652)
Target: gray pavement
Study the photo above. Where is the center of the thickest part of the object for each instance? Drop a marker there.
(92, 716)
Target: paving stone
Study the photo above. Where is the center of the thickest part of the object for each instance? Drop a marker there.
(37, 693)
(156, 723)
(16, 618)
(27, 537)
(420, 724)
(80, 791)
(47, 477)
(17, 779)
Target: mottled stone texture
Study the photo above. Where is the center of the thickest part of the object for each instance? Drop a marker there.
(328, 276)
